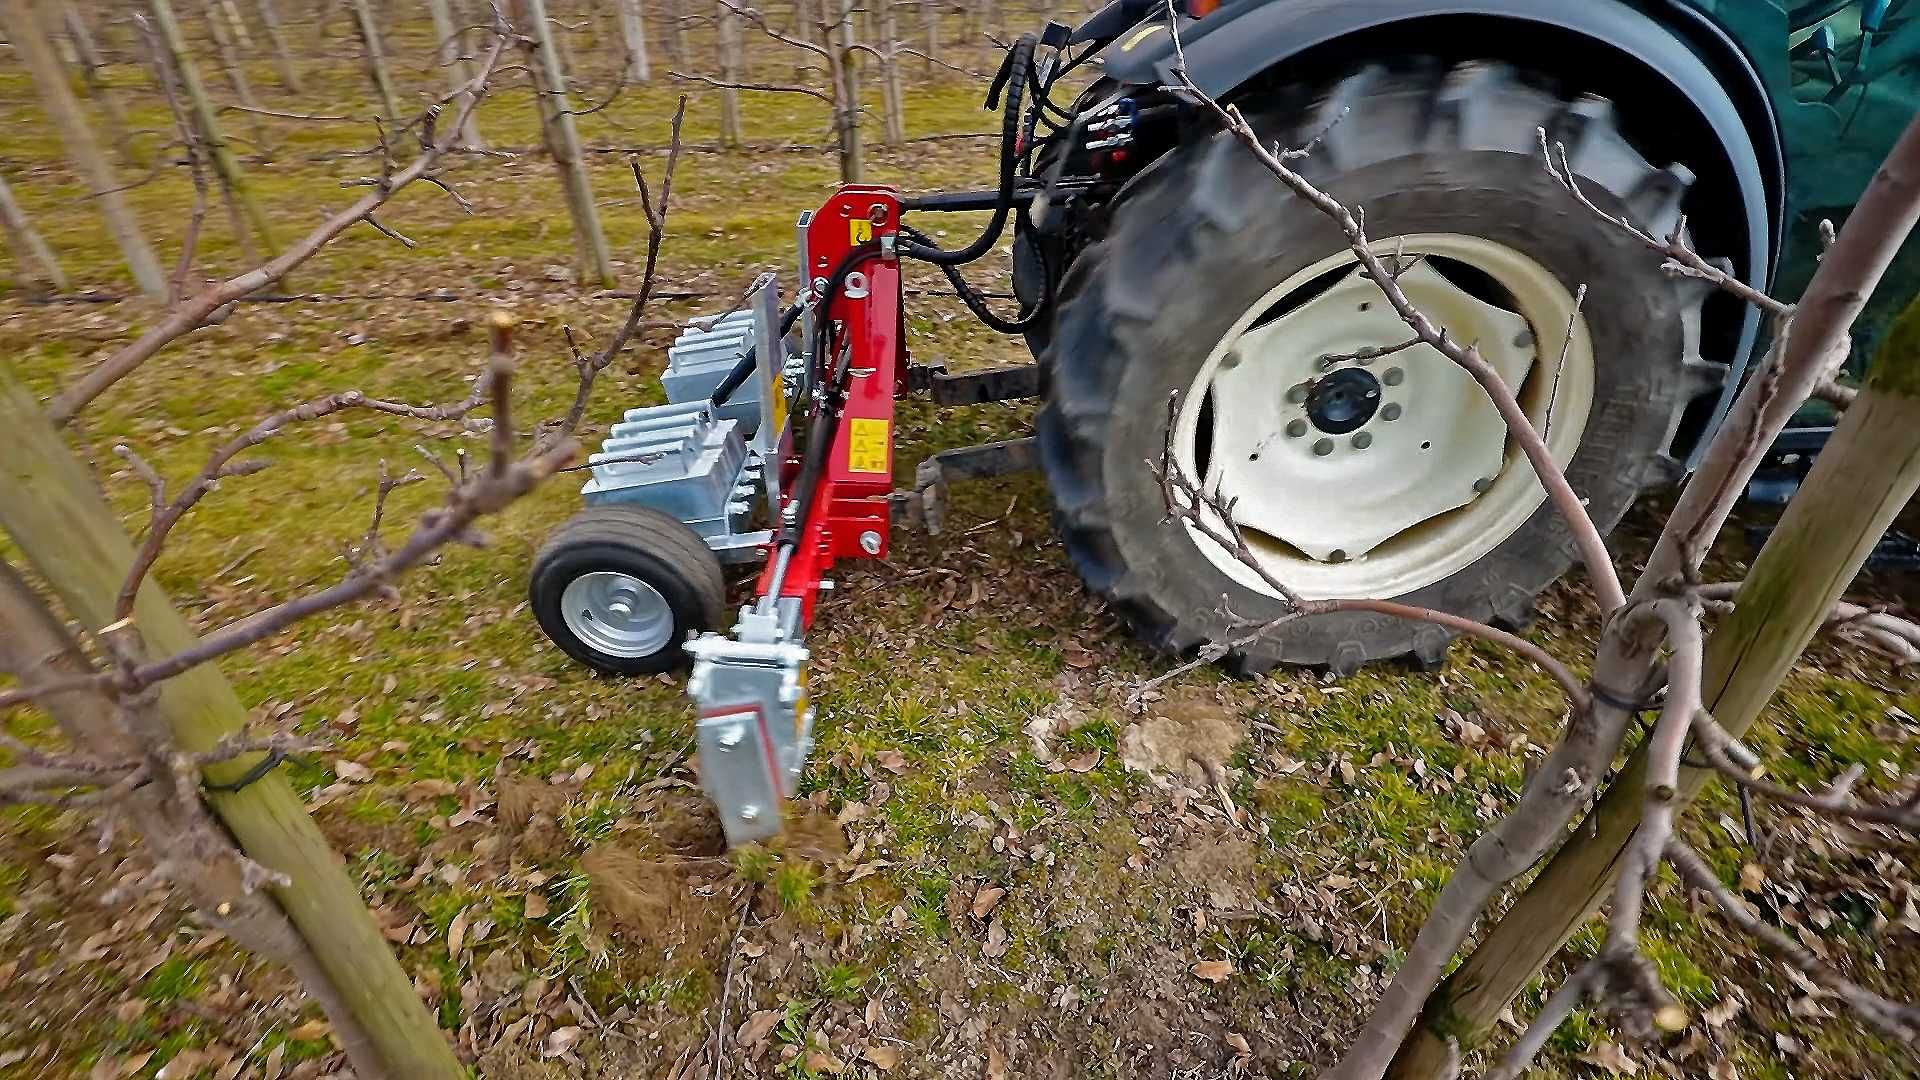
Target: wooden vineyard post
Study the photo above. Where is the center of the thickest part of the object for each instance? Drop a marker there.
(29, 250)
(277, 40)
(376, 58)
(633, 38)
(563, 141)
(451, 54)
(889, 47)
(27, 33)
(728, 35)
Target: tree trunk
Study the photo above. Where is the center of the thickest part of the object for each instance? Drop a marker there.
(633, 38)
(200, 110)
(563, 142)
(930, 26)
(52, 508)
(277, 39)
(460, 72)
(24, 29)
(891, 101)
(34, 257)
(230, 66)
(728, 36)
(843, 64)
(87, 56)
(676, 30)
(237, 23)
(376, 58)
(1866, 474)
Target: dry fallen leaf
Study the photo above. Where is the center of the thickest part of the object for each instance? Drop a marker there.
(758, 1027)
(986, 900)
(887, 1058)
(311, 1031)
(352, 770)
(537, 906)
(996, 946)
(996, 1063)
(820, 1061)
(851, 813)
(1085, 763)
(1753, 877)
(561, 1040)
(891, 760)
(1608, 1055)
(456, 936)
(1213, 971)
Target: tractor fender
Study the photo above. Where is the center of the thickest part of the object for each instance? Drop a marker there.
(1248, 38)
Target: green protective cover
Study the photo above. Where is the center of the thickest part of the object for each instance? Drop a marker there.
(1844, 76)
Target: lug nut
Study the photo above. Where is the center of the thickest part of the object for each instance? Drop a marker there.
(1323, 447)
(1231, 360)
(1362, 440)
(1393, 376)
(870, 542)
(1481, 485)
(1296, 428)
(1297, 394)
(1337, 555)
(1390, 412)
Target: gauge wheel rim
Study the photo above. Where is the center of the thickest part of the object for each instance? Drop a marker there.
(617, 614)
(1555, 388)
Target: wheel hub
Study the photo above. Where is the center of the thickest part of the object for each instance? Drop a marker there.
(1377, 468)
(1343, 401)
(617, 614)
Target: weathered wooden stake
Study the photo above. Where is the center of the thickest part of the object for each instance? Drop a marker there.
(844, 65)
(25, 29)
(563, 141)
(226, 167)
(930, 27)
(453, 58)
(29, 250)
(728, 35)
(51, 506)
(892, 102)
(1868, 472)
(231, 66)
(86, 54)
(633, 37)
(277, 38)
(369, 32)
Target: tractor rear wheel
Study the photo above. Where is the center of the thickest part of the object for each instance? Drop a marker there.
(1386, 476)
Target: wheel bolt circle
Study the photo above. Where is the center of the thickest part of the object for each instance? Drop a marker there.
(1296, 428)
(1323, 447)
(1362, 440)
(1390, 412)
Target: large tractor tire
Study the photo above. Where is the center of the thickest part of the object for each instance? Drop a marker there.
(1388, 477)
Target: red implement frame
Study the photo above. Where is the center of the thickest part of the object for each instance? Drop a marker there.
(849, 518)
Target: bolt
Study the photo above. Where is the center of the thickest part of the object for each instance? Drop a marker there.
(1336, 555)
(749, 812)
(1230, 360)
(1297, 394)
(845, 210)
(731, 735)
(1523, 339)
(1362, 440)
(820, 285)
(878, 214)
(1481, 485)
(1323, 447)
(1391, 412)
(870, 542)
(1297, 428)
(1393, 376)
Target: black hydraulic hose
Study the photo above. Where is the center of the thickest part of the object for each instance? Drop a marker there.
(724, 392)
(827, 418)
(1019, 63)
(978, 304)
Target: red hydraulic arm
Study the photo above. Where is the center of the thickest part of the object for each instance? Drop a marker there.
(847, 516)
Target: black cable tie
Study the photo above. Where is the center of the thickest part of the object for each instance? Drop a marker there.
(1625, 704)
(253, 775)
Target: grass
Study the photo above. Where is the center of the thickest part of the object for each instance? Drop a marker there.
(1116, 883)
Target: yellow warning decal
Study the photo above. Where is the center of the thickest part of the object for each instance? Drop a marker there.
(1139, 36)
(867, 449)
(859, 230)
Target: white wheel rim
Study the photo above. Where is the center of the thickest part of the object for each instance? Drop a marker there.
(1370, 511)
(617, 614)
